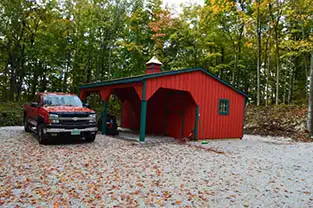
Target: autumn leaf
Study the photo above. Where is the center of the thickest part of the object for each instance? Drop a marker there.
(178, 202)
(56, 205)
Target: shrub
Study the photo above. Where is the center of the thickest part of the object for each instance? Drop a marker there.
(11, 114)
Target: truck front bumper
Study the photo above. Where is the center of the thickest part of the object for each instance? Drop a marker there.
(70, 130)
(62, 130)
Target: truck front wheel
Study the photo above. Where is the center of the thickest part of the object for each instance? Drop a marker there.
(26, 125)
(42, 138)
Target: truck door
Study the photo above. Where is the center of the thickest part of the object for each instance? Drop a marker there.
(33, 114)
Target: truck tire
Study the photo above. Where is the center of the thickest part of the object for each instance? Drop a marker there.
(26, 126)
(90, 138)
(42, 138)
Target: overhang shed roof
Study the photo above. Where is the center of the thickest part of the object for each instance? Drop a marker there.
(140, 78)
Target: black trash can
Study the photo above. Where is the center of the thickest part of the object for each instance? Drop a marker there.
(111, 125)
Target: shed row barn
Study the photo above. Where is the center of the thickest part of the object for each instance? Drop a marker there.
(180, 103)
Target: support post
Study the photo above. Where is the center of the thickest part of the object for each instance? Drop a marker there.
(104, 117)
(196, 123)
(143, 113)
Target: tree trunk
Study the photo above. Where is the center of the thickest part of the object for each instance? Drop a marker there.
(88, 67)
(305, 66)
(13, 71)
(43, 80)
(267, 70)
(285, 90)
(259, 52)
(290, 86)
(66, 72)
(277, 67)
(6, 74)
(310, 112)
(109, 62)
(21, 74)
(222, 61)
(306, 76)
(277, 60)
(235, 68)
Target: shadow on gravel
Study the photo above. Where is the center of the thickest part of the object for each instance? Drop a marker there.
(66, 141)
(63, 140)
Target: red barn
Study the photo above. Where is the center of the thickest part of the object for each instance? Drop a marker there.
(178, 103)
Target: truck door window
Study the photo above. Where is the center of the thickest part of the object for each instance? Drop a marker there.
(38, 99)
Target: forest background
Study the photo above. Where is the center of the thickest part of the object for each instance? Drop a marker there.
(262, 47)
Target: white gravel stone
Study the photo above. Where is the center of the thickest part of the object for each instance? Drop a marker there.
(253, 172)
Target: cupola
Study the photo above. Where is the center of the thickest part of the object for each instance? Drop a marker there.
(153, 66)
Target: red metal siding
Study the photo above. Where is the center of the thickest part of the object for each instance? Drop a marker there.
(171, 112)
(206, 92)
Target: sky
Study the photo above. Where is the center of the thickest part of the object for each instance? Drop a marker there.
(176, 3)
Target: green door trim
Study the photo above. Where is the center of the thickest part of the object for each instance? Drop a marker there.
(196, 122)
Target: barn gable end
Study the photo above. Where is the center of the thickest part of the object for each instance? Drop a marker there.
(206, 91)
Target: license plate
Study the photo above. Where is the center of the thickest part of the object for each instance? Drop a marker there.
(75, 132)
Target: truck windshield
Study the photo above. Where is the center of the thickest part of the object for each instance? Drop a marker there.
(62, 100)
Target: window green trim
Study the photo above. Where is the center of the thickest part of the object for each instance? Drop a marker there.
(223, 106)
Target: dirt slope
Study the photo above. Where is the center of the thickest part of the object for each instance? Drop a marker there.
(286, 121)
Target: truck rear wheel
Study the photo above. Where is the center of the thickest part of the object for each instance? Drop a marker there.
(42, 138)
(26, 125)
(90, 138)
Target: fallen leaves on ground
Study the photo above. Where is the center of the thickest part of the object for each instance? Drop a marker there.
(115, 173)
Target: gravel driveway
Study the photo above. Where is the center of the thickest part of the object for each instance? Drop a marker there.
(253, 172)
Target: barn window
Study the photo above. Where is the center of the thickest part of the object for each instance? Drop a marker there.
(223, 106)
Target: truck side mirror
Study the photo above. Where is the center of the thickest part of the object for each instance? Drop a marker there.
(86, 105)
(35, 105)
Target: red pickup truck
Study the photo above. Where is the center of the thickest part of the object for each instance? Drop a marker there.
(59, 114)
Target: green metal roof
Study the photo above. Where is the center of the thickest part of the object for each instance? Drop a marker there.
(140, 78)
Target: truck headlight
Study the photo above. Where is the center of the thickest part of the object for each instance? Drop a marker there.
(92, 118)
(54, 118)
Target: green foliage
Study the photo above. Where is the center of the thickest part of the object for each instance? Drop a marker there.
(11, 114)
(59, 45)
(114, 105)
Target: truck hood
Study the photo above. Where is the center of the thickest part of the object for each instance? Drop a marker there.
(62, 109)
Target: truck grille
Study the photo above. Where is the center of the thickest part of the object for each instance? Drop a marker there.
(74, 118)
(72, 115)
(72, 122)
